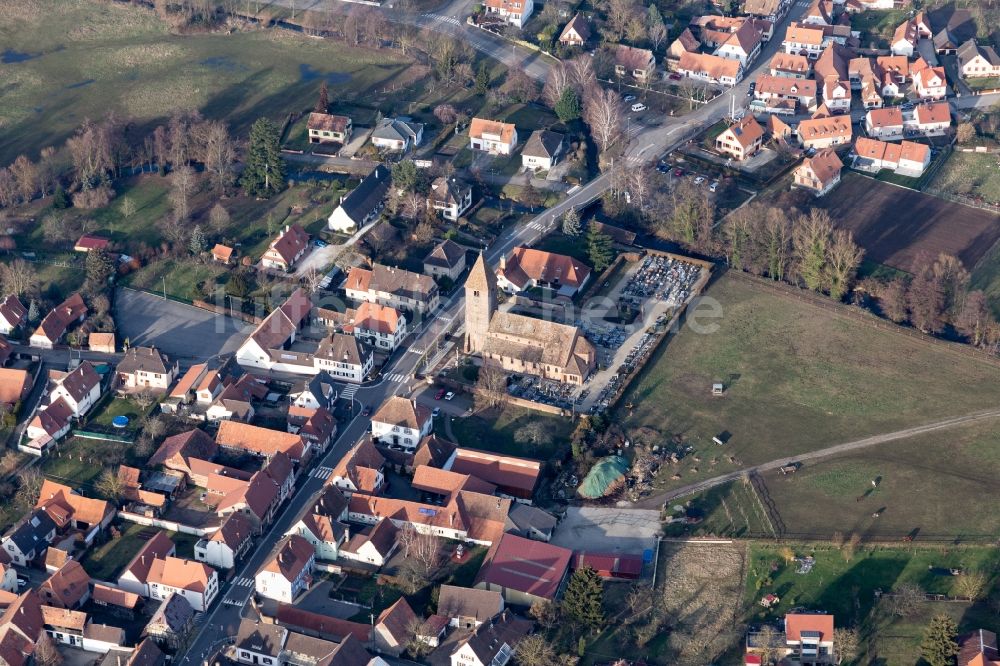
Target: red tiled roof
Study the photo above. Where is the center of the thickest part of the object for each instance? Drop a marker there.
(796, 623)
(532, 567)
(526, 263)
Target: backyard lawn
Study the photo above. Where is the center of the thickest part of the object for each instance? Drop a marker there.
(79, 462)
(971, 175)
(120, 407)
(798, 378)
(105, 562)
(514, 431)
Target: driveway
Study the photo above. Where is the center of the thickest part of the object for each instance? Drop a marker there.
(181, 331)
(608, 530)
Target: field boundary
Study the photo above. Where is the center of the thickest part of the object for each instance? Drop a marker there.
(861, 315)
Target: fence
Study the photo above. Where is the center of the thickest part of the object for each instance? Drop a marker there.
(171, 525)
(91, 434)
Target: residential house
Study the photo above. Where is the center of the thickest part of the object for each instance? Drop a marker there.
(323, 523)
(135, 577)
(48, 425)
(803, 40)
(930, 83)
(55, 324)
(80, 388)
(197, 582)
(230, 542)
(639, 64)
(13, 314)
(69, 587)
(468, 607)
(257, 498)
(102, 638)
(772, 10)
(274, 645)
(222, 254)
(527, 267)
(285, 250)
(531, 522)
(447, 259)
(359, 471)
(609, 565)
(395, 287)
(64, 626)
(904, 39)
(789, 65)
(492, 643)
(524, 571)
(450, 197)
(809, 638)
(515, 12)
(439, 485)
(177, 453)
(70, 510)
(261, 442)
(782, 94)
(379, 326)
(397, 134)
(316, 426)
(319, 625)
(172, 624)
(885, 124)
(146, 367)
(906, 158)
(327, 128)
(743, 44)
(929, 119)
(576, 32)
(741, 139)
(467, 516)
(372, 545)
(289, 571)
(101, 342)
(363, 204)
(28, 540)
(267, 346)
(820, 12)
(543, 150)
(686, 42)
(491, 136)
(15, 385)
(236, 400)
(819, 173)
(393, 627)
(825, 132)
(345, 357)
(974, 61)
(978, 648)
(119, 602)
(710, 68)
(401, 423)
(315, 392)
(516, 478)
(260, 643)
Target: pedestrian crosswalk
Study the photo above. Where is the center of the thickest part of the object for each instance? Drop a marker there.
(802, 3)
(243, 581)
(321, 473)
(397, 377)
(348, 392)
(442, 19)
(539, 225)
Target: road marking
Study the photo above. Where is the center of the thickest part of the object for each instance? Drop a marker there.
(348, 392)
(243, 581)
(397, 377)
(322, 473)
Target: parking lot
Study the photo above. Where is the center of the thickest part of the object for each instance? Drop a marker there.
(608, 530)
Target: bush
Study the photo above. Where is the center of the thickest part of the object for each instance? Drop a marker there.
(93, 198)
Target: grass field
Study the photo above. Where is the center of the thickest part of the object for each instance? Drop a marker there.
(799, 378)
(79, 462)
(870, 209)
(843, 581)
(88, 58)
(970, 175)
(876, 27)
(917, 495)
(106, 561)
(896, 641)
(509, 432)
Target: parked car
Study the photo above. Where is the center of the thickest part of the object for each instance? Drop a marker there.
(367, 411)
(436, 412)
(449, 395)
(699, 180)
(638, 106)
(22, 583)
(714, 186)
(663, 168)
(628, 98)
(319, 242)
(678, 173)
(675, 77)
(439, 394)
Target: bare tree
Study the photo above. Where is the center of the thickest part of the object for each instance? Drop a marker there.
(183, 184)
(91, 152)
(491, 387)
(582, 74)
(905, 600)
(415, 645)
(18, 277)
(110, 485)
(26, 176)
(846, 642)
(658, 35)
(769, 643)
(545, 612)
(29, 486)
(603, 112)
(218, 154)
(557, 81)
(892, 300)
(46, 653)
(127, 207)
(218, 218)
(972, 585)
(534, 650)
(925, 299)
(619, 13)
(843, 259)
(974, 319)
(445, 114)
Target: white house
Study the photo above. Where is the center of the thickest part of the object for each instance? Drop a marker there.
(803, 40)
(401, 423)
(135, 577)
(12, 314)
(930, 83)
(146, 367)
(543, 150)
(55, 324)
(885, 124)
(286, 249)
(344, 357)
(492, 643)
(81, 388)
(447, 259)
(450, 197)
(742, 45)
(397, 134)
(323, 524)
(373, 545)
(195, 581)
(231, 541)
(380, 326)
(491, 136)
(315, 392)
(515, 12)
(288, 572)
(363, 204)
(30, 539)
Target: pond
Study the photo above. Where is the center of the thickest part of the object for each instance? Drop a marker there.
(10, 56)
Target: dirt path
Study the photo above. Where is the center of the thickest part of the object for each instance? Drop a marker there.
(658, 501)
